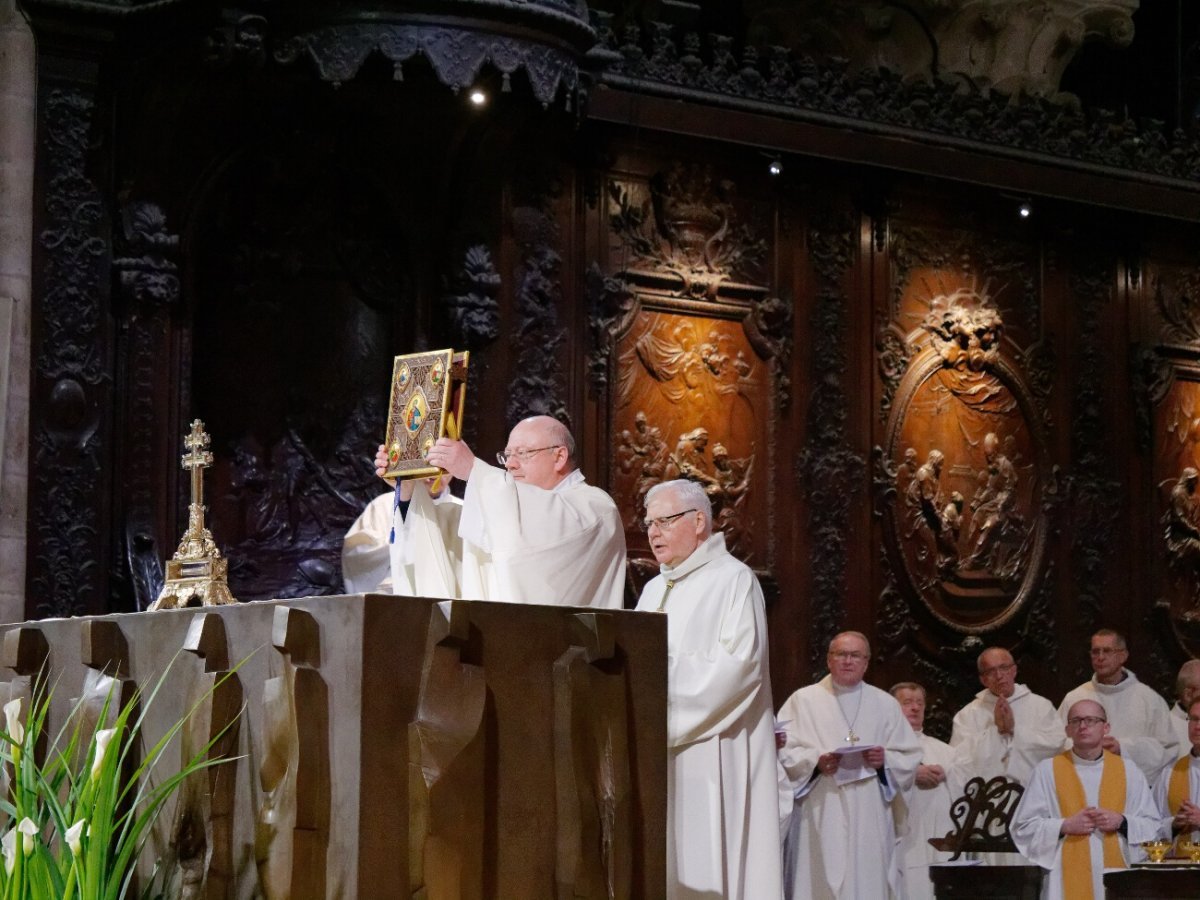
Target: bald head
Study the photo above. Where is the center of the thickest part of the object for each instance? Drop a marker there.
(1087, 726)
(541, 452)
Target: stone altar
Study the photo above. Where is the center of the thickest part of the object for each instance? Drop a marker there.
(395, 746)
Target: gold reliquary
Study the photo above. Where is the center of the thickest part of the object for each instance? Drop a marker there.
(429, 393)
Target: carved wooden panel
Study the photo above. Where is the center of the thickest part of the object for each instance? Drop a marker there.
(691, 352)
(965, 448)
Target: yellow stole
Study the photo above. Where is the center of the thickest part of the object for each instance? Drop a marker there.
(1077, 851)
(1177, 787)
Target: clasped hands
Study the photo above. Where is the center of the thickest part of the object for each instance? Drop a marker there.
(1090, 819)
(827, 763)
(930, 776)
(1188, 817)
(1003, 716)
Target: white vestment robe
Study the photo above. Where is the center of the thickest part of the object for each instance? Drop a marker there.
(426, 558)
(1038, 821)
(1137, 716)
(1179, 726)
(722, 787)
(564, 546)
(1038, 734)
(843, 843)
(1164, 783)
(929, 816)
(366, 554)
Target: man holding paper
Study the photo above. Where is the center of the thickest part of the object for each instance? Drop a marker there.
(852, 756)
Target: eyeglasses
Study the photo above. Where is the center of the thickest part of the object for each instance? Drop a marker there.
(1105, 651)
(1002, 669)
(521, 455)
(664, 522)
(1085, 721)
(848, 654)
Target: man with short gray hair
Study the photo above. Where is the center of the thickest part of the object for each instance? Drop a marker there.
(852, 757)
(722, 788)
(1139, 722)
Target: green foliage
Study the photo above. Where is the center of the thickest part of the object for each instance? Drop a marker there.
(78, 821)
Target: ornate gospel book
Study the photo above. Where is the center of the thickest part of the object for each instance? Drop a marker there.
(429, 393)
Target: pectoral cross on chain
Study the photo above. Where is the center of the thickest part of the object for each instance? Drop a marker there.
(852, 737)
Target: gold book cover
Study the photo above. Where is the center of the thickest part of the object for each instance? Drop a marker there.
(429, 394)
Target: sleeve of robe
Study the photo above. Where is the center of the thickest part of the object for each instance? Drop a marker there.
(427, 554)
(366, 556)
(1157, 749)
(711, 690)
(543, 548)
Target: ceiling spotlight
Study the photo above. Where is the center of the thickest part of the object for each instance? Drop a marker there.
(477, 96)
(1025, 210)
(775, 166)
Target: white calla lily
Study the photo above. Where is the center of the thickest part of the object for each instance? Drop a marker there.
(29, 829)
(102, 739)
(8, 846)
(74, 837)
(12, 720)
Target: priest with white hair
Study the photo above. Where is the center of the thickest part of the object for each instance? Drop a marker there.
(722, 788)
(853, 757)
(533, 531)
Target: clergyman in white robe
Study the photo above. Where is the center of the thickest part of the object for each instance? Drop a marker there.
(412, 549)
(1139, 717)
(722, 789)
(928, 817)
(844, 840)
(1038, 821)
(561, 546)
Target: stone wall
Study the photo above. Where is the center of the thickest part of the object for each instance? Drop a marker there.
(17, 84)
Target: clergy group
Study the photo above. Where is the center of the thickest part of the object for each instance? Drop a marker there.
(836, 794)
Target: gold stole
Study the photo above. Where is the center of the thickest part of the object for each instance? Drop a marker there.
(1077, 851)
(1177, 787)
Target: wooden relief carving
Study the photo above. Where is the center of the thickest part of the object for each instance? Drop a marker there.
(692, 394)
(292, 831)
(1176, 463)
(966, 526)
(591, 765)
(446, 762)
(203, 835)
(691, 349)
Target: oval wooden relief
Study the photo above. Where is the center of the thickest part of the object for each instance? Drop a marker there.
(966, 531)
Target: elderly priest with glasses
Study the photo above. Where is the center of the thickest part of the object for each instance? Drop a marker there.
(722, 787)
(852, 756)
(532, 532)
(1084, 810)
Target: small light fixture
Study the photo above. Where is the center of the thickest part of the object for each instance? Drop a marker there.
(775, 166)
(478, 96)
(1025, 210)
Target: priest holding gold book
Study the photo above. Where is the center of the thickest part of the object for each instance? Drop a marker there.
(532, 532)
